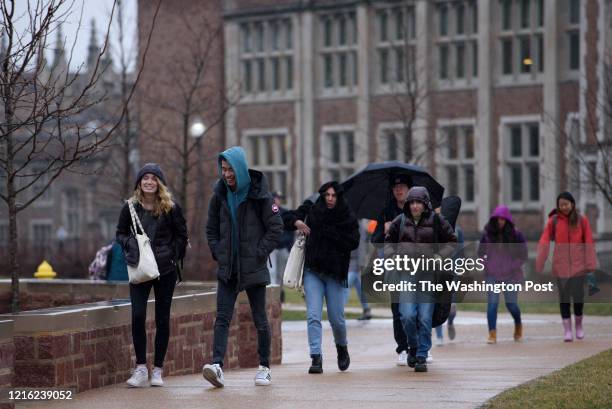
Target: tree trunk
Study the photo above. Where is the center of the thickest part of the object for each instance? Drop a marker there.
(12, 209)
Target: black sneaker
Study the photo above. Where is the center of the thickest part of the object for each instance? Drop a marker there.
(317, 364)
(412, 359)
(421, 364)
(366, 315)
(344, 360)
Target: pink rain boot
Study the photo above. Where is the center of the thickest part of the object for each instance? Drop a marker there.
(567, 327)
(579, 330)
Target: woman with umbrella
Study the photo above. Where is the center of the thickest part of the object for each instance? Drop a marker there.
(332, 233)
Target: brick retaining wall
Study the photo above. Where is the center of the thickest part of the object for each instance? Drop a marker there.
(90, 346)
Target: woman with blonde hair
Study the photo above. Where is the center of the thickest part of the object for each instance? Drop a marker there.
(162, 220)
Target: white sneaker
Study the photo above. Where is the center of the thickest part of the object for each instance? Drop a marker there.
(156, 377)
(402, 358)
(429, 357)
(263, 377)
(139, 378)
(439, 342)
(213, 374)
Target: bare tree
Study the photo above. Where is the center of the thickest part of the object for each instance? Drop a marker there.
(587, 141)
(199, 97)
(406, 81)
(42, 134)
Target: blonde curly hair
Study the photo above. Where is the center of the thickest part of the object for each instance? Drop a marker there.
(163, 198)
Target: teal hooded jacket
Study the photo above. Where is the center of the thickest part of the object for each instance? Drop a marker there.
(236, 158)
(243, 225)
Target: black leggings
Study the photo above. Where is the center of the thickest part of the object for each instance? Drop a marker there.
(571, 289)
(139, 293)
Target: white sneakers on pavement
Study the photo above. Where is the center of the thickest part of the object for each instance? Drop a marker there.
(213, 374)
(139, 378)
(402, 358)
(156, 377)
(263, 377)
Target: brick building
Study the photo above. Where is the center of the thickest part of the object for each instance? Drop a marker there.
(479, 92)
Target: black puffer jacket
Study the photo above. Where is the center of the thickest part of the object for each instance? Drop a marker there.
(169, 242)
(334, 233)
(260, 229)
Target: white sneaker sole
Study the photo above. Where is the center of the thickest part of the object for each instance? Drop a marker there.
(210, 375)
(137, 384)
(157, 383)
(262, 382)
(402, 363)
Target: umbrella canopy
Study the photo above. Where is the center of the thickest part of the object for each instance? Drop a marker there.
(368, 189)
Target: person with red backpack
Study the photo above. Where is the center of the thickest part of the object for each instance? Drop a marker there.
(574, 257)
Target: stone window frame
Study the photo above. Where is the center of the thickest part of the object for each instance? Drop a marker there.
(251, 55)
(535, 33)
(525, 161)
(277, 168)
(72, 211)
(32, 239)
(335, 52)
(344, 167)
(461, 161)
(570, 29)
(46, 199)
(382, 133)
(454, 41)
(396, 43)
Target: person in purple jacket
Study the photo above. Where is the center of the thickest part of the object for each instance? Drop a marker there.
(506, 251)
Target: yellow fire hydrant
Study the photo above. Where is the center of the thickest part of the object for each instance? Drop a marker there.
(45, 271)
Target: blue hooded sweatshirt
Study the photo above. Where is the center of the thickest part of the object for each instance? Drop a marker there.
(236, 158)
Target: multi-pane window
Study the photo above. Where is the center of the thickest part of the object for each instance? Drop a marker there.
(268, 153)
(72, 209)
(338, 50)
(522, 156)
(339, 154)
(457, 160)
(572, 33)
(457, 40)
(396, 144)
(41, 234)
(266, 55)
(521, 37)
(396, 44)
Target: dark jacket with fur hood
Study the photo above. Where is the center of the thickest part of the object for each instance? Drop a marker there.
(334, 233)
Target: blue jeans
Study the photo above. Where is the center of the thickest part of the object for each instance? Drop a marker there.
(510, 297)
(317, 286)
(439, 333)
(354, 280)
(419, 336)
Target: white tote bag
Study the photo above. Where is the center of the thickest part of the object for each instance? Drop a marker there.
(294, 270)
(147, 266)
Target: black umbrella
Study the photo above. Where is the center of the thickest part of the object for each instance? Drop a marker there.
(368, 189)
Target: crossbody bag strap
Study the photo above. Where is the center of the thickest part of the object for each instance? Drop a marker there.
(136, 220)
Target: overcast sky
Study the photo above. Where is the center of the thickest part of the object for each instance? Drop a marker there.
(98, 10)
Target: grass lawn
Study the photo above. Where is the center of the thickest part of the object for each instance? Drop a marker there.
(586, 384)
(541, 308)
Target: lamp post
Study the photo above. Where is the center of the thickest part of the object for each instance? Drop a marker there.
(197, 130)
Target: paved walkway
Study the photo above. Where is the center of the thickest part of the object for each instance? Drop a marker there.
(465, 372)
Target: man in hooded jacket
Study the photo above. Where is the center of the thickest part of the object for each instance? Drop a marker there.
(243, 227)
